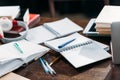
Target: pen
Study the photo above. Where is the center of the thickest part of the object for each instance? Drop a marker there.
(66, 43)
(51, 70)
(18, 47)
(44, 66)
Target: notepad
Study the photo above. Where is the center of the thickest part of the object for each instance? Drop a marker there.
(11, 58)
(52, 30)
(62, 27)
(80, 52)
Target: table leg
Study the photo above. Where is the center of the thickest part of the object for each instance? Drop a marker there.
(52, 7)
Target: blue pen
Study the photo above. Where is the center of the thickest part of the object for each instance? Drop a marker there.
(44, 66)
(66, 43)
(18, 47)
(51, 70)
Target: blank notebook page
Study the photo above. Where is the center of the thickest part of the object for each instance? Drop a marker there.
(85, 55)
(64, 26)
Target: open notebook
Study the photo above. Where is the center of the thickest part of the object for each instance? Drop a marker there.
(52, 30)
(12, 58)
(80, 52)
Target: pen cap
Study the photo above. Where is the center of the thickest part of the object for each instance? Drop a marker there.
(115, 43)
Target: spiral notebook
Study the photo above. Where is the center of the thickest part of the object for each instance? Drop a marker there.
(80, 52)
(52, 30)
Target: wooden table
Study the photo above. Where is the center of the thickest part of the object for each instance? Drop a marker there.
(103, 70)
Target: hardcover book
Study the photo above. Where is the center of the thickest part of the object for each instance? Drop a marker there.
(108, 14)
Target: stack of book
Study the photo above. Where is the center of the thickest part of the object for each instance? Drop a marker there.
(9, 11)
(105, 18)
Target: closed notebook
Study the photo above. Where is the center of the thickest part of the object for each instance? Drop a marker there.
(80, 52)
(11, 58)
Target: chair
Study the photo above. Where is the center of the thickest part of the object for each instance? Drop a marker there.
(52, 5)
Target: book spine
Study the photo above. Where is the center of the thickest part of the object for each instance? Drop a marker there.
(34, 21)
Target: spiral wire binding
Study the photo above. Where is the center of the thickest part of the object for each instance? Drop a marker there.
(75, 46)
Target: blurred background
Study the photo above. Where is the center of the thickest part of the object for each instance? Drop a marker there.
(83, 9)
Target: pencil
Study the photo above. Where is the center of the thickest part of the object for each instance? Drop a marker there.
(55, 60)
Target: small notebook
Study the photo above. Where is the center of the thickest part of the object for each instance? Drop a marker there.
(80, 52)
(12, 58)
(52, 30)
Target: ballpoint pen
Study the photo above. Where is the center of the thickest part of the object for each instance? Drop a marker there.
(51, 70)
(18, 47)
(66, 43)
(44, 66)
(48, 69)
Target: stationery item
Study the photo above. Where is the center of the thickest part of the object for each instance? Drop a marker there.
(52, 30)
(63, 27)
(13, 76)
(44, 66)
(34, 20)
(66, 43)
(12, 59)
(108, 14)
(39, 34)
(47, 67)
(18, 47)
(80, 52)
(55, 60)
(9, 11)
(51, 70)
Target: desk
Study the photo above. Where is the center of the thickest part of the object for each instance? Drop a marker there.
(103, 70)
